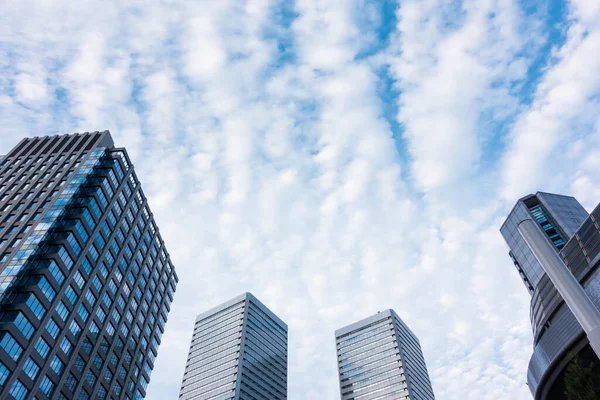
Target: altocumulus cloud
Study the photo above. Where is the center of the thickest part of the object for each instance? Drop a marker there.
(334, 157)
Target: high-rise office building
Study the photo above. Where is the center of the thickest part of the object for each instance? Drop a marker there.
(238, 352)
(557, 335)
(379, 358)
(559, 216)
(85, 280)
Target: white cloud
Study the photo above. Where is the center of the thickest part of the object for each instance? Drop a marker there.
(452, 65)
(563, 100)
(275, 171)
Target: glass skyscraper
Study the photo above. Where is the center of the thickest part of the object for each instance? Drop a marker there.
(238, 352)
(557, 335)
(379, 358)
(559, 217)
(85, 280)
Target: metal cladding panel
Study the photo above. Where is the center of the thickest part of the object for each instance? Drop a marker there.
(568, 213)
(559, 337)
(85, 273)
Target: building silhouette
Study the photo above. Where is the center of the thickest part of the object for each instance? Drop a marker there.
(557, 335)
(238, 351)
(85, 280)
(380, 358)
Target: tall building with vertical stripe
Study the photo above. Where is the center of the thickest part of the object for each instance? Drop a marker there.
(557, 335)
(238, 352)
(85, 280)
(379, 358)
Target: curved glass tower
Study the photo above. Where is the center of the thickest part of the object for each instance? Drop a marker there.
(557, 335)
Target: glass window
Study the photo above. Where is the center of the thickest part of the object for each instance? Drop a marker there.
(31, 368)
(79, 363)
(56, 272)
(94, 253)
(109, 259)
(87, 217)
(101, 314)
(98, 361)
(107, 300)
(70, 382)
(65, 257)
(117, 388)
(78, 279)
(4, 373)
(35, 306)
(18, 390)
(108, 375)
(52, 328)
(116, 315)
(42, 348)
(83, 312)
(47, 386)
(100, 241)
(94, 330)
(71, 295)
(110, 329)
(97, 284)
(82, 231)
(87, 266)
(103, 270)
(90, 297)
(62, 310)
(57, 366)
(66, 346)
(74, 244)
(90, 378)
(106, 229)
(87, 346)
(112, 286)
(75, 328)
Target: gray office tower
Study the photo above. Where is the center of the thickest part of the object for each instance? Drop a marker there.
(238, 352)
(85, 280)
(557, 335)
(379, 358)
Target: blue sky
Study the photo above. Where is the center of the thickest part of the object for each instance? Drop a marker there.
(333, 157)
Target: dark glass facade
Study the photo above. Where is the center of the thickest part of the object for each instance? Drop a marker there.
(85, 280)
(559, 217)
(379, 358)
(238, 351)
(557, 334)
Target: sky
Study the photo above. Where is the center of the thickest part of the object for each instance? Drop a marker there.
(333, 157)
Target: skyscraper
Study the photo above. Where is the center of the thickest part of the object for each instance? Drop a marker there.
(380, 358)
(239, 352)
(559, 216)
(557, 335)
(85, 280)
